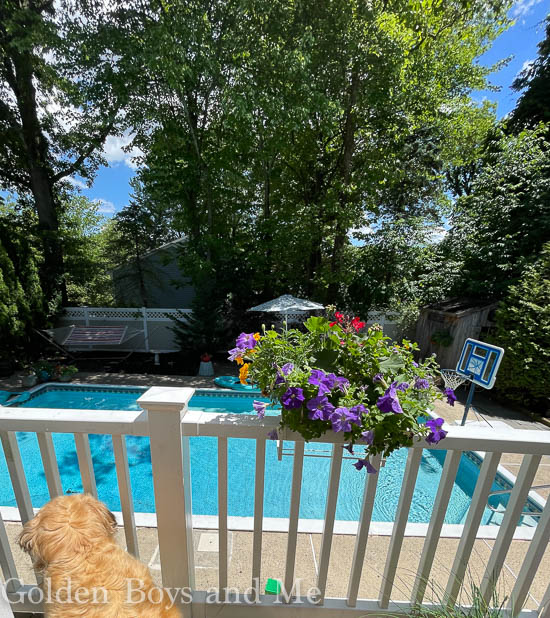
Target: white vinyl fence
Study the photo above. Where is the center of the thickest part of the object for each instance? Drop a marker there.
(169, 424)
(150, 330)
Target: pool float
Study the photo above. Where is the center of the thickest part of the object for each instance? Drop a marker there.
(233, 382)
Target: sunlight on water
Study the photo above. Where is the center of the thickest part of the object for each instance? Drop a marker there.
(241, 458)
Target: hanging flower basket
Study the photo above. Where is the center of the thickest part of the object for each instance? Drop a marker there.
(340, 376)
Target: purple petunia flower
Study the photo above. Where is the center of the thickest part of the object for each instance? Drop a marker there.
(282, 373)
(359, 409)
(293, 398)
(326, 382)
(316, 376)
(367, 436)
(349, 448)
(342, 419)
(273, 435)
(415, 364)
(246, 340)
(365, 463)
(421, 383)
(389, 402)
(436, 434)
(378, 377)
(451, 397)
(341, 383)
(235, 353)
(259, 408)
(403, 386)
(319, 408)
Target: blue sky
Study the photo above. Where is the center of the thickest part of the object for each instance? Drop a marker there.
(111, 186)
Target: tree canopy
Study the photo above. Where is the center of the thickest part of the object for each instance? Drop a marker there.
(273, 130)
(58, 103)
(533, 82)
(332, 151)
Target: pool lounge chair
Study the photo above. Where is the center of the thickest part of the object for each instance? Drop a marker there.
(90, 336)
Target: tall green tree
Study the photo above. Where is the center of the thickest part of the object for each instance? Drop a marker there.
(83, 232)
(138, 228)
(523, 330)
(274, 129)
(22, 303)
(59, 101)
(533, 83)
(501, 225)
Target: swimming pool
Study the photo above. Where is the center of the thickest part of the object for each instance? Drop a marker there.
(241, 464)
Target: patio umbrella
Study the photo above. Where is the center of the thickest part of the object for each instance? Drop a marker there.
(286, 303)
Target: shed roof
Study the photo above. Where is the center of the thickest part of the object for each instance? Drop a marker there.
(457, 305)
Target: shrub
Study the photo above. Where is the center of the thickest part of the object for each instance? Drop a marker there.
(206, 329)
(22, 303)
(523, 330)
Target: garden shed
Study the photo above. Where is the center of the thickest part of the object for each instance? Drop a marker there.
(443, 327)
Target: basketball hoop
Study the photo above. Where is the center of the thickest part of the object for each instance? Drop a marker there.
(451, 378)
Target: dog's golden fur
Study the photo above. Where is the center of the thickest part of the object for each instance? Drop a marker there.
(71, 539)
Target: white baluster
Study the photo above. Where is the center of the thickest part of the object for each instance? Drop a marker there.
(446, 483)
(330, 513)
(407, 488)
(369, 493)
(125, 493)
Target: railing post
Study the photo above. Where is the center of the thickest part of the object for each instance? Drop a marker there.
(172, 485)
(86, 316)
(145, 330)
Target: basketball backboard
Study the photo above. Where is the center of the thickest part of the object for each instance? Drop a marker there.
(479, 362)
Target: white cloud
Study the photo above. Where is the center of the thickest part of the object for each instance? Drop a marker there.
(366, 229)
(114, 153)
(105, 206)
(523, 7)
(76, 183)
(524, 67)
(438, 234)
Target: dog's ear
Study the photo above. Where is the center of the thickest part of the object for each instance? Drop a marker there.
(27, 538)
(107, 518)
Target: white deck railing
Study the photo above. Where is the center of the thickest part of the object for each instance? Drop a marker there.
(169, 425)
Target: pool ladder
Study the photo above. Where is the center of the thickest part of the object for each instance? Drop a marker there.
(507, 491)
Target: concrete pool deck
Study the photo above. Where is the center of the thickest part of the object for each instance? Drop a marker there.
(307, 559)
(308, 547)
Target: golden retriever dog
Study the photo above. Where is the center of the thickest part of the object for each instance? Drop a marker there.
(85, 572)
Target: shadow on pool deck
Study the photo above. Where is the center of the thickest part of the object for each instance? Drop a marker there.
(13, 383)
(307, 559)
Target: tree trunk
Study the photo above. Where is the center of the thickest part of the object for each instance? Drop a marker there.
(267, 237)
(141, 278)
(346, 168)
(41, 177)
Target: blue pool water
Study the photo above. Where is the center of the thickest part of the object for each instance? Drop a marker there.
(241, 454)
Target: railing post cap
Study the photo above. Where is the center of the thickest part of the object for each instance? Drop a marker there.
(165, 398)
